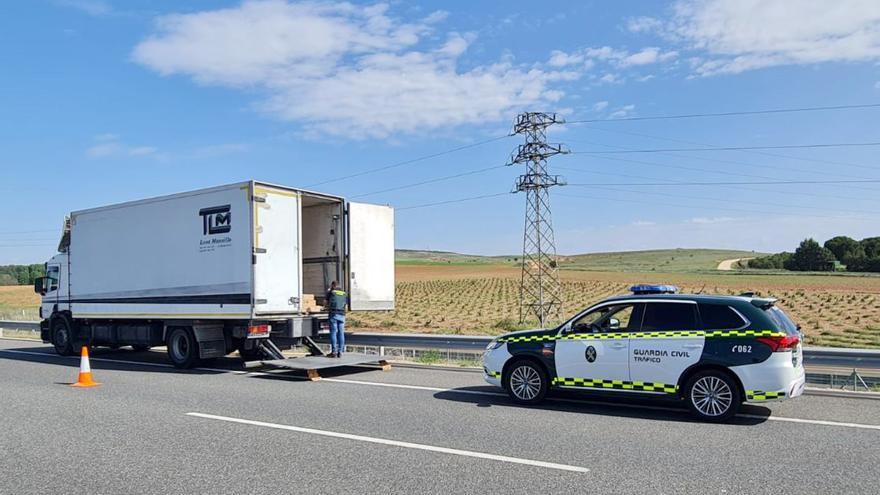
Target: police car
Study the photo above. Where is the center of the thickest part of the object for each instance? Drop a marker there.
(715, 352)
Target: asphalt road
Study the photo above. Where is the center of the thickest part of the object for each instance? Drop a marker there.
(152, 429)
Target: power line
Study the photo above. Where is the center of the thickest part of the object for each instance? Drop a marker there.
(741, 188)
(699, 169)
(431, 181)
(754, 152)
(451, 201)
(732, 148)
(781, 182)
(729, 200)
(408, 162)
(684, 206)
(29, 231)
(728, 114)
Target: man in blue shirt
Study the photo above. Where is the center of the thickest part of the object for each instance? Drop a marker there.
(337, 299)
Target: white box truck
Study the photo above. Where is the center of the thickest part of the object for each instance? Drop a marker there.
(213, 271)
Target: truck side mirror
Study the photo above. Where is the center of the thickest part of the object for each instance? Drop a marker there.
(40, 285)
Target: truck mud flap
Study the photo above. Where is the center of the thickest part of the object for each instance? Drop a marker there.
(212, 349)
(212, 342)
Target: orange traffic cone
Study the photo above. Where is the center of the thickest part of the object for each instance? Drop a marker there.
(85, 371)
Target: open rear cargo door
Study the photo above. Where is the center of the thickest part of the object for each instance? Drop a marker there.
(276, 249)
(371, 256)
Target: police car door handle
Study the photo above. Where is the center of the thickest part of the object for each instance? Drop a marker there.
(693, 346)
(618, 345)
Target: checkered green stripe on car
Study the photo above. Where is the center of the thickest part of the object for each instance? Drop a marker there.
(761, 395)
(615, 384)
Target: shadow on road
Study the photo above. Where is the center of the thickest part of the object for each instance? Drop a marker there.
(157, 361)
(600, 404)
(152, 361)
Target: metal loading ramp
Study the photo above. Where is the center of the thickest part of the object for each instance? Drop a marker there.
(313, 363)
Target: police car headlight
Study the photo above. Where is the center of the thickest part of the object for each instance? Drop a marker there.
(495, 344)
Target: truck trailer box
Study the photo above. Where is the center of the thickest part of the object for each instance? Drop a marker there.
(244, 250)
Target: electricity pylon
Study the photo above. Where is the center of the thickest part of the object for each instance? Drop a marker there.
(540, 290)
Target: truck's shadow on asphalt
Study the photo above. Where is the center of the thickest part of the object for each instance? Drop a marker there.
(157, 362)
(152, 361)
(600, 405)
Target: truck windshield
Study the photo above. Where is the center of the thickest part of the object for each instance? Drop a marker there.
(782, 320)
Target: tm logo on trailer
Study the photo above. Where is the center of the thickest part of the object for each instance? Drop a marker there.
(216, 220)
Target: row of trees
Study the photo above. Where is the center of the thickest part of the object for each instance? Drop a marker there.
(838, 253)
(20, 274)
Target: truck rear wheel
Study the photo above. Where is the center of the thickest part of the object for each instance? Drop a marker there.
(62, 337)
(183, 350)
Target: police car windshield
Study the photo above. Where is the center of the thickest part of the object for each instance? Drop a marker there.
(782, 321)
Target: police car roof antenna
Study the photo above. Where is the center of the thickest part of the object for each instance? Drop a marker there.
(540, 290)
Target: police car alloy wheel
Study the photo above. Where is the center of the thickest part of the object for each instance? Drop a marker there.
(526, 382)
(712, 396)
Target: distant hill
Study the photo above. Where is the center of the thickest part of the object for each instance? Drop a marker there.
(665, 260)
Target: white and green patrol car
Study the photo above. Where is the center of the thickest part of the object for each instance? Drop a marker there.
(715, 352)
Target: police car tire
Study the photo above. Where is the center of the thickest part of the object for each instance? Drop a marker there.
(728, 387)
(526, 368)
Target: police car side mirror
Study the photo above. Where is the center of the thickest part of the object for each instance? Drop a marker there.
(614, 324)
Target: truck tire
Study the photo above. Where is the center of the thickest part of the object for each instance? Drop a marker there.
(62, 336)
(140, 348)
(183, 350)
(713, 396)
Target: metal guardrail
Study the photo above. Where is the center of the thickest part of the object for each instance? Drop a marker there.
(830, 366)
(478, 343)
(20, 326)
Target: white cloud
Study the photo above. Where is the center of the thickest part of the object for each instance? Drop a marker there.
(141, 150)
(708, 220)
(109, 145)
(342, 69)
(600, 105)
(561, 59)
(643, 223)
(742, 35)
(621, 112)
(643, 24)
(650, 55)
(95, 8)
(617, 64)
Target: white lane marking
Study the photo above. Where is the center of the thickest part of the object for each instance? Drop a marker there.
(397, 443)
(466, 392)
(812, 421)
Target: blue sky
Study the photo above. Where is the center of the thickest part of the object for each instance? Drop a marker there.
(106, 101)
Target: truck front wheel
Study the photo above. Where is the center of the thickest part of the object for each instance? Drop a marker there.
(183, 350)
(62, 337)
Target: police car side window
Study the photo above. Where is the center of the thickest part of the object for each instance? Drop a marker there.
(720, 317)
(669, 316)
(607, 319)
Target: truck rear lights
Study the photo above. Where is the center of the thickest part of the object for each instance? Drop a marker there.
(256, 331)
(781, 344)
